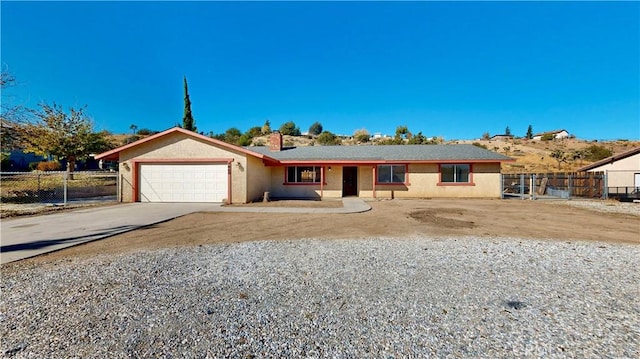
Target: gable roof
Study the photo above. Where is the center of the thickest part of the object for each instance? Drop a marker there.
(384, 153)
(113, 155)
(611, 159)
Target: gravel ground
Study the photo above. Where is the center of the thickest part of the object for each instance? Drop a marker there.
(414, 297)
(605, 206)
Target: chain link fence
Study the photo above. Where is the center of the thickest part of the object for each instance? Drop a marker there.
(554, 185)
(57, 187)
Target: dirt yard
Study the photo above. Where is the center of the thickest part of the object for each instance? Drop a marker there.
(553, 220)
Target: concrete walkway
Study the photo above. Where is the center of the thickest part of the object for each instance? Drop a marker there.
(25, 237)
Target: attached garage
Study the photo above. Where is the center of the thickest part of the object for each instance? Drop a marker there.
(202, 182)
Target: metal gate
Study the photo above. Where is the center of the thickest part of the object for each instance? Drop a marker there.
(562, 185)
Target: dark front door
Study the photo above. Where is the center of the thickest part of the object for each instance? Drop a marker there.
(349, 181)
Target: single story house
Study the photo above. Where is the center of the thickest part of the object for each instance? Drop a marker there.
(503, 137)
(182, 166)
(622, 170)
(557, 134)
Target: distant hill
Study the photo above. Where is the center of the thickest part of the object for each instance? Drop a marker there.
(530, 156)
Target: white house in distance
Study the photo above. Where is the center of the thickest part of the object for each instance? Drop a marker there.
(557, 134)
(622, 170)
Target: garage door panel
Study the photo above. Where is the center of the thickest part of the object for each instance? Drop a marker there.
(183, 182)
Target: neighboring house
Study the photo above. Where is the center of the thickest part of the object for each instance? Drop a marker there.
(19, 160)
(501, 137)
(622, 170)
(557, 134)
(182, 166)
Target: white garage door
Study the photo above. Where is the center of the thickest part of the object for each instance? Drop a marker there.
(183, 182)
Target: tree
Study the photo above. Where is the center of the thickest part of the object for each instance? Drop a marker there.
(133, 128)
(232, 135)
(188, 123)
(327, 138)
(560, 156)
(507, 131)
(486, 136)
(266, 128)
(362, 135)
(254, 132)
(315, 129)
(11, 116)
(65, 136)
(529, 134)
(289, 128)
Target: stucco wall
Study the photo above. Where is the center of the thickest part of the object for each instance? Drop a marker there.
(423, 183)
(258, 178)
(332, 187)
(179, 146)
(621, 173)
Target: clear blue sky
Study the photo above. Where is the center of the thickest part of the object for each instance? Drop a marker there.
(447, 69)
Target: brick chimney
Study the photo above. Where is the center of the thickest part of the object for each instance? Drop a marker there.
(275, 141)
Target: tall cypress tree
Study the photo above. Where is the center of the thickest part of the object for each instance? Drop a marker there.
(188, 123)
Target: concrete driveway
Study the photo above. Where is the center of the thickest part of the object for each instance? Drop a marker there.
(30, 236)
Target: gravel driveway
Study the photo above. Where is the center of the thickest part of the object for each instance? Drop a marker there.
(457, 297)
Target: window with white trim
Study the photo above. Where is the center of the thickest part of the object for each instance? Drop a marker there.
(391, 173)
(455, 173)
(303, 174)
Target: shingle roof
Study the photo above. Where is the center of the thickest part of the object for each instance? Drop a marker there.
(383, 153)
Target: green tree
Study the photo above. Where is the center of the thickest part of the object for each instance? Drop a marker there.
(254, 132)
(65, 136)
(327, 138)
(289, 128)
(232, 135)
(507, 131)
(188, 123)
(529, 134)
(133, 128)
(315, 129)
(418, 139)
(266, 128)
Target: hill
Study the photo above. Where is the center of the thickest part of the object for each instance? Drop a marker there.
(530, 156)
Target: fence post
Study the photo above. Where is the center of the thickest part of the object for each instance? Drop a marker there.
(65, 187)
(522, 186)
(501, 185)
(532, 190)
(605, 181)
(569, 187)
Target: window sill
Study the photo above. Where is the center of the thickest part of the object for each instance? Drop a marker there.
(456, 184)
(393, 184)
(303, 184)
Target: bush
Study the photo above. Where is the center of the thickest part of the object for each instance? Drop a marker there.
(478, 144)
(327, 138)
(548, 137)
(48, 166)
(596, 153)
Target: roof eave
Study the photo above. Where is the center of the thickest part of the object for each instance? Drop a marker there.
(114, 154)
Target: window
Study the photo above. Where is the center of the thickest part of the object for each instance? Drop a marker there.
(458, 173)
(303, 174)
(391, 173)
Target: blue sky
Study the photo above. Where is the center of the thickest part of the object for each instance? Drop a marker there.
(447, 69)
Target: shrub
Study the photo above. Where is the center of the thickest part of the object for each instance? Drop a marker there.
(478, 144)
(596, 153)
(548, 137)
(48, 166)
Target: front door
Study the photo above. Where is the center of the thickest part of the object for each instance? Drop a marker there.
(349, 181)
